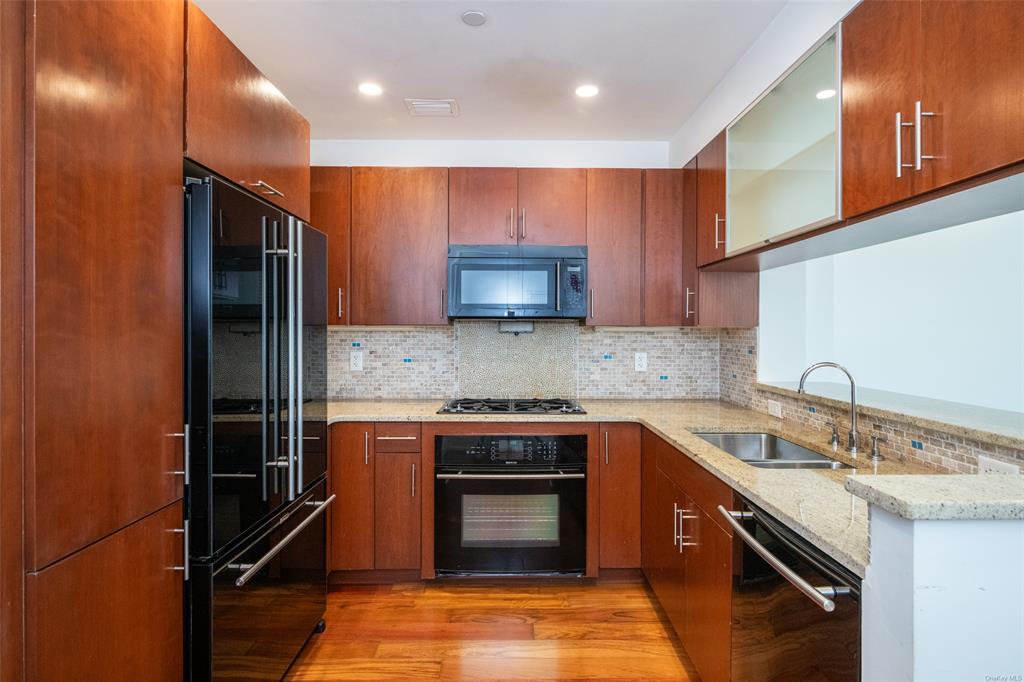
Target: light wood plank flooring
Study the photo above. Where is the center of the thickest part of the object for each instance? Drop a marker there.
(611, 629)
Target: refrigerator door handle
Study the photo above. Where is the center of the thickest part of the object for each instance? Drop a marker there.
(298, 326)
(264, 359)
(291, 358)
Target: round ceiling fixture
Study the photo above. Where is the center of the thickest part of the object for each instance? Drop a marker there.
(826, 94)
(587, 90)
(371, 89)
(474, 18)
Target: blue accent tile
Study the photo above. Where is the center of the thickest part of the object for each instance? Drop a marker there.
(734, 375)
(356, 344)
(606, 356)
(750, 351)
(917, 445)
(812, 410)
(663, 377)
(406, 359)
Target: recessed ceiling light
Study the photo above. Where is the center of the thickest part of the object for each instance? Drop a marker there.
(474, 18)
(826, 94)
(370, 89)
(587, 91)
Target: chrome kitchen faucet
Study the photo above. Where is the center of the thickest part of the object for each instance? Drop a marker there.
(853, 442)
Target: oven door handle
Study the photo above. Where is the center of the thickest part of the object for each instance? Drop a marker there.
(252, 569)
(507, 477)
(818, 595)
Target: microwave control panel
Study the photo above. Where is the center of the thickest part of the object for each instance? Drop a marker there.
(574, 286)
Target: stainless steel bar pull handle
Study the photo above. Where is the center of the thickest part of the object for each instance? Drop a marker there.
(506, 477)
(414, 480)
(558, 285)
(918, 154)
(819, 595)
(253, 569)
(593, 313)
(341, 298)
(512, 223)
(269, 190)
(685, 514)
(522, 231)
(606, 447)
(718, 242)
(676, 537)
(442, 304)
(366, 447)
(186, 468)
(900, 125)
(291, 278)
(184, 568)
(689, 292)
(396, 437)
(300, 325)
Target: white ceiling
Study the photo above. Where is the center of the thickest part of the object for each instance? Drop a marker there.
(514, 77)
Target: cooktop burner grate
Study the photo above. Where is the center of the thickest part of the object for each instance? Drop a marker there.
(511, 406)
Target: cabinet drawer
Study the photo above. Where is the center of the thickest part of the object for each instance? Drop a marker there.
(396, 437)
(698, 483)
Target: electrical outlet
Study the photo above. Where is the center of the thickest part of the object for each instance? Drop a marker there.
(775, 408)
(355, 361)
(987, 465)
(640, 362)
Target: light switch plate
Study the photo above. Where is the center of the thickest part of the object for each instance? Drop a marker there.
(355, 361)
(640, 362)
(987, 465)
(775, 408)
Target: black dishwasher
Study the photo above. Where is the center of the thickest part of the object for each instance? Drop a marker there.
(795, 610)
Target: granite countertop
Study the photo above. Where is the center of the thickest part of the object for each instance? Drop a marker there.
(814, 502)
(949, 497)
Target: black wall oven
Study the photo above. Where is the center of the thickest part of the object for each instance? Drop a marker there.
(509, 505)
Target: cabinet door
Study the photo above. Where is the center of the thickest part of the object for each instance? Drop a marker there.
(973, 83)
(881, 72)
(728, 299)
(399, 245)
(330, 211)
(708, 629)
(691, 278)
(482, 205)
(397, 511)
(664, 203)
(672, 567)
(238, 123)
(650, 519)
(106, 292)
(620, 496)
(615, 247)
(553, 206)
(711, 201)
(112, 611)
(352, 480)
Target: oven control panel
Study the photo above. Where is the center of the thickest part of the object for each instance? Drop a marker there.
(510, 450)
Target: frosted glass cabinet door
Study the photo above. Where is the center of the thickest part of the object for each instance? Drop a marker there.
(783, 153)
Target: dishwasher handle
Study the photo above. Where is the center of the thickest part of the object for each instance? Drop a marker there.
(822, 596)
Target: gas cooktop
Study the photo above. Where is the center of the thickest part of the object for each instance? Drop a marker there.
(511, 406)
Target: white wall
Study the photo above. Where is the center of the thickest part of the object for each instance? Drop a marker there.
(799, 25)
(521, 153)
(939, 315)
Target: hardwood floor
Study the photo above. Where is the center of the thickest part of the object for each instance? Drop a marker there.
(610, 629)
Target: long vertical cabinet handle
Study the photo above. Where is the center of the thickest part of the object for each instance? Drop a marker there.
(341, 300)
(718, 242)
(918, 154)
(512, 224)
(683, 515)
(275, 355)
(184, 568)
(366, 447)
(291, 358)
(593, 312)
(900, 125)
(414, 479)
(300, 322)
(675, 524)
(186, 468)
(606, 448)
(264, 359)
(689, 311)
(522, 231)
(442, 304)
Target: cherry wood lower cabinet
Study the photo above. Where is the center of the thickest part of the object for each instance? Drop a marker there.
(620, 496)
(396, 501)
(352, 480)
(330, 211)
(687, 555)
(112, 611)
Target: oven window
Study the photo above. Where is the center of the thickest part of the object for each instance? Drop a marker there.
(510, 521)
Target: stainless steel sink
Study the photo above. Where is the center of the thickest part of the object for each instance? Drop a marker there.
(766, 451)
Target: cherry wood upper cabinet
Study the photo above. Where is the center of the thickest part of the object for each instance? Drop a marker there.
(238, 124)
(880, 47)
(973, 84)
(113, 610)
(352, 476)
(615, 246)
(691, 278)
(482, 206)
(620, 496)
(951, 71)
(399, 245)
(553, 206)
(330, 210)
(663, 265)
(105, 287)
(711, 201)
(397, 511)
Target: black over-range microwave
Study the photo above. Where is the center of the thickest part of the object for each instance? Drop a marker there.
(517, 282)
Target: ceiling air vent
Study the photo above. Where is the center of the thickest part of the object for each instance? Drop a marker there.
(432, 107)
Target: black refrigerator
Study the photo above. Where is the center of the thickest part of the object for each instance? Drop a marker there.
(256, 384)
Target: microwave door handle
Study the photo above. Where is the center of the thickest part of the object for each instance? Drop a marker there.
(818, 595)
(558, 285)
